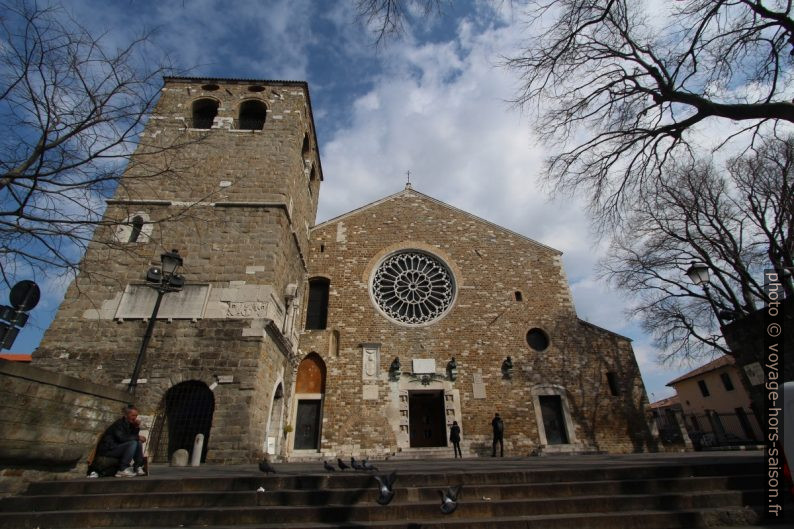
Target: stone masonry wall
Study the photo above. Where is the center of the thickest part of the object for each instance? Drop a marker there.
(485, 324)
(49, 421)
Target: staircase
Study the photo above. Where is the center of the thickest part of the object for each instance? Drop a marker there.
(423, 453)
(673, 495)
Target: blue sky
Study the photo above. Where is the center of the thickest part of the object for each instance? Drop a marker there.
(435, 102)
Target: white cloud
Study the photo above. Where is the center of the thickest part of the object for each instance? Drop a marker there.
(440, 110)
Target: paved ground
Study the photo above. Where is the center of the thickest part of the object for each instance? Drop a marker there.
(477, 464)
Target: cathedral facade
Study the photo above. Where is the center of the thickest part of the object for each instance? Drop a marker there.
(366, 335)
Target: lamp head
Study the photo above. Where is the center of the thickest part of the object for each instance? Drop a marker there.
(698, 273)
(171, 262)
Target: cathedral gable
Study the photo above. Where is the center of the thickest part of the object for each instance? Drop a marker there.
(415, 212)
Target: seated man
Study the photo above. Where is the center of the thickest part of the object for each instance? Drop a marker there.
(122, 440)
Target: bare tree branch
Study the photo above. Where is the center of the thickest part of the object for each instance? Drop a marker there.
(72, 109)
(739, 222)
(618, 89)
(388, 16)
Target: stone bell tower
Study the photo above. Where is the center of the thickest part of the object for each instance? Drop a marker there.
(228, 173)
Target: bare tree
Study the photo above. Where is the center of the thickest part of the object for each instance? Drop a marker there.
(620, 88)
(620, 85)
(72, 108)
(738, 222)
(388, 16)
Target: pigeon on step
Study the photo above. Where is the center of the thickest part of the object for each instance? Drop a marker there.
(368, 466)
(342, 465)
(449, 499)
(265, 467)
(328, 467)
(355, 464)
(386, 488)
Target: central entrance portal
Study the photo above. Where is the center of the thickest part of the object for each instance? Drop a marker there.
(426, 418)
(553, 420)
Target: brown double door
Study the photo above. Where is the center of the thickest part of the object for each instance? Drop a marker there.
(426, 422)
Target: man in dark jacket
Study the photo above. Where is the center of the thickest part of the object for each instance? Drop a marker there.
(122, 440)
(454, 438)
(498, 435)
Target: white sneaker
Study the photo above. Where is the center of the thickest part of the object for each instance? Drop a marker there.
(126, 473)
(93, 475)
(139, 471)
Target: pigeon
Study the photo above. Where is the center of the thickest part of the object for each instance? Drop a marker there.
(449, 499)
(355, 464)
(385, 490)
(328, 467)
(368, 466)
(342, 465)
(265, 467)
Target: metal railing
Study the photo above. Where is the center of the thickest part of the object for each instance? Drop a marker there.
(714, 429)
(669, 431)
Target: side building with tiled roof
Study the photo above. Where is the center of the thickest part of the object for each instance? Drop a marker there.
(713, 398)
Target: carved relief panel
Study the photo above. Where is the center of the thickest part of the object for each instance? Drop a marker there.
(370, 361)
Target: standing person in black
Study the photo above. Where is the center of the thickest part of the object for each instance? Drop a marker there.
(123, 441)
(454, 438)
(498, 435)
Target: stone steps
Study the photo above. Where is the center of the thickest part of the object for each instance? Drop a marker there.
(364, 513)
(623, 520)
(132, 500)
(430, 478)
(646, 497)
(425, 453)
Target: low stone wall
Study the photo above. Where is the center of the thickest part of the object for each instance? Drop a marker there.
(49, 423)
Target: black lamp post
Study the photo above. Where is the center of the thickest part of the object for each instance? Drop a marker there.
(163, 279)
(698, 273)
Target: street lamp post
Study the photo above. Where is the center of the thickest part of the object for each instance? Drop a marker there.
(163, 279)
(698, 273)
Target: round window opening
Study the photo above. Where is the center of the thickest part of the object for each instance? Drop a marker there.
(537, 339)
(413, 287)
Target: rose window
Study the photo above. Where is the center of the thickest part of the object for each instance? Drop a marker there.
(413, 287)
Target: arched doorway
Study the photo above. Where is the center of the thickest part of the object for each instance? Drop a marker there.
(309, 391)
(186, 410)
(275, 424)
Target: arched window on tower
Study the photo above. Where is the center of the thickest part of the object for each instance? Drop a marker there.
(252, 115)
(317, 309)
(306, 149)
(137, 226)
(204, 112)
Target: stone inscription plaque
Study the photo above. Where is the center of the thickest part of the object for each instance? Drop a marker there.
(138, 302)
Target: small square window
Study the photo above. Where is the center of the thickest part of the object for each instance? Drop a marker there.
(726, 381)
(704, 389)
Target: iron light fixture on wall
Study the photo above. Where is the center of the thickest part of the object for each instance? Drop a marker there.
(394, 369)
(452, 369)
(507, 368)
